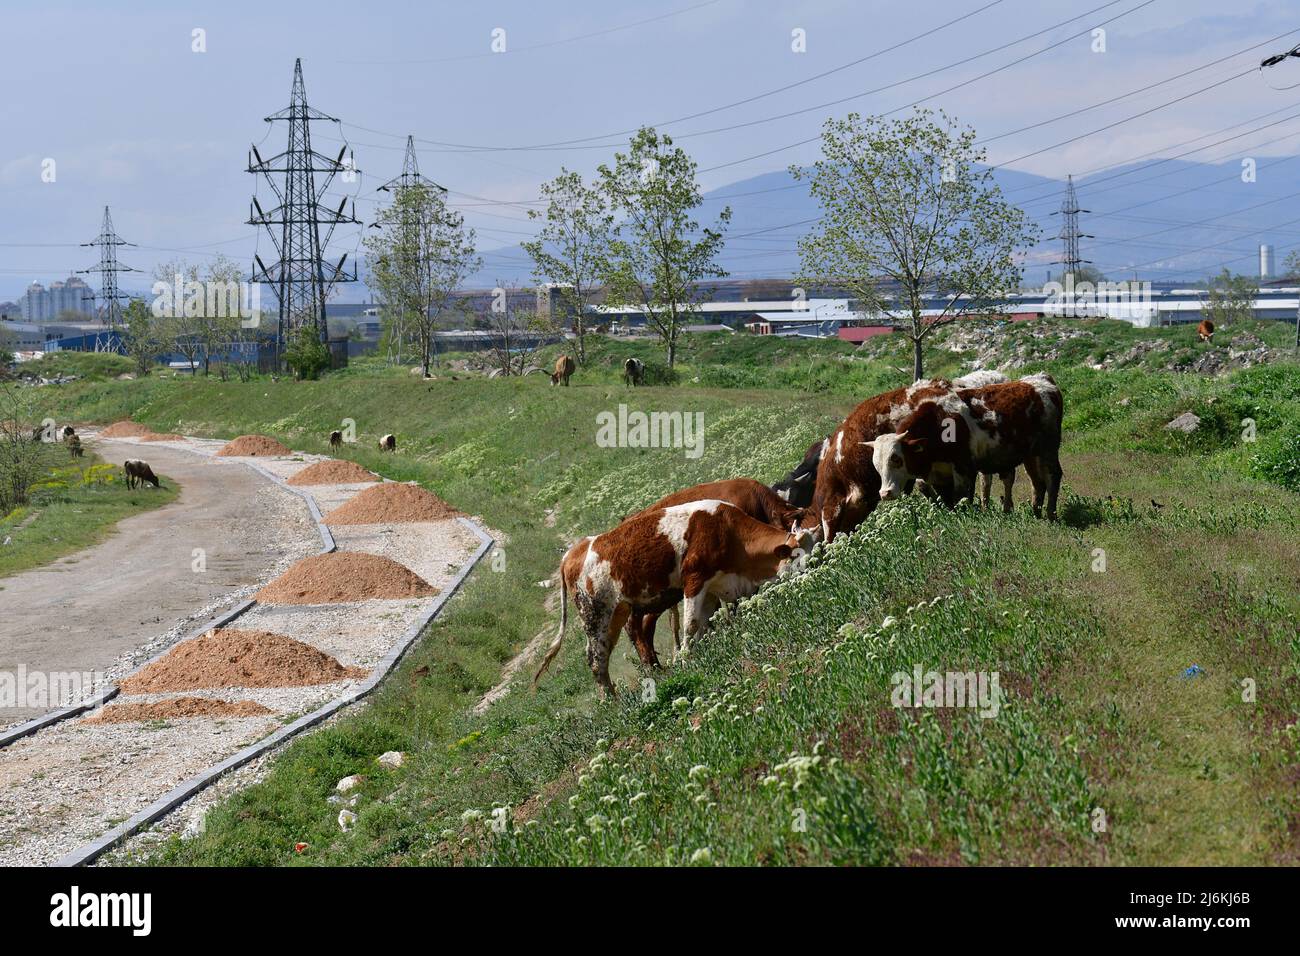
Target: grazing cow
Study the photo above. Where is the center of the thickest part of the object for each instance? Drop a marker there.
(796, 488)
(847, 482)
(68, 432)
(709, 550)
(336, 439)
(754, 499)
(991, 429)
(38, 432)
(978, 379)
(138, 472)
(634, 371)
(388, 443)
(74, 446)
(1205, 331)
(563, 370)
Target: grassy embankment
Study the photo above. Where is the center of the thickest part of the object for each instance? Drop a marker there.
(75, 503)
(777, 742)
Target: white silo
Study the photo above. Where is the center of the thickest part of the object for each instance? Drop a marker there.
(1265, 261)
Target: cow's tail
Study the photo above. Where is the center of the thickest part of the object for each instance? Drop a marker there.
(559, 636)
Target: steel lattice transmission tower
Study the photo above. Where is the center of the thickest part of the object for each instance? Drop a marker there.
(300, 226)
(108, 268)
(1070, 233)
(410, 173)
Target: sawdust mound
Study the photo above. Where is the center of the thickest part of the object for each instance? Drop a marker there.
(332, 472)
(249, 446)
(230, 657)
(124, 430)
(344, 576)
(392, 501)
(178, 707)
(162, 436)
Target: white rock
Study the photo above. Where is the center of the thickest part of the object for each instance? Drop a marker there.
(346, 819)
(349, 783)
(1187, 422)
(393, 759)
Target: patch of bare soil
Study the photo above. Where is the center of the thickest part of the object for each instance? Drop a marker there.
(344, 576)
(332, 472)
(162, 436)
(177, 707)
(392, 501)
(230, 657)
(125, 430)
(250, 446)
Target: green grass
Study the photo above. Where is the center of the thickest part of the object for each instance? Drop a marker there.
(777, 741)
(75, 503)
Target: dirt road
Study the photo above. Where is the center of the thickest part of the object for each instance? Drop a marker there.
(86, 611)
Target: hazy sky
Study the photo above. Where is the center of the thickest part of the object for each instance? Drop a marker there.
(133, 118)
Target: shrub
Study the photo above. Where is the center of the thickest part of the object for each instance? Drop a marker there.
(1279, 462)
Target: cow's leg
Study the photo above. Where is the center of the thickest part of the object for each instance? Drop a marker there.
(641, 631)
(675, 619)
(986, 492)
(963, 485)
(693, 616)
(1052, 467)
(601, 645)
(1008, 482)
(1037, 478)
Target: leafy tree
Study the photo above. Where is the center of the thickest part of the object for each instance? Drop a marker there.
(306, 355)
(419, 257)
(908, 212)
(197, 311)
(20, 452)
(572, 249)
(1230, 298)
(658, 253)
(140, 336)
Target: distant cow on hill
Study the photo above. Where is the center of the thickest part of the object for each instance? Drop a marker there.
(74, 446)
(138, 472)
(754, 499)
(796, 488)
(991, 429)
(563, 370)
(336, 439)
(1205, 331)
(388, 443)
(634, 371)
(67, 432)
(709, 550)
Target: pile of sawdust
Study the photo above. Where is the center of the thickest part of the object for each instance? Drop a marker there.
(250, 446)
(178, 707)
(162, 436)
(392, 501)
(230, 657)
(344, 576)
(124, 430)
(332, 472)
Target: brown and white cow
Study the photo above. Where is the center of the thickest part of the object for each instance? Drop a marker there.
(710, 551)
(388, 443)
(563, 370)
(1205, 331)
(750, 496)
(336, 439)
(138, 472)
(991, 429)
(978, 379)
(847, 485)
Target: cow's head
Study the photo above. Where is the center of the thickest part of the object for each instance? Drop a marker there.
(792, 554)
(555, 378)
(889, 455)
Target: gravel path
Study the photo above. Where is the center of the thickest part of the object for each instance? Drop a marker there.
(73, 781)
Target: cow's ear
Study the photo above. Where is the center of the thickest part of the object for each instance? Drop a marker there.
(916, 444)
